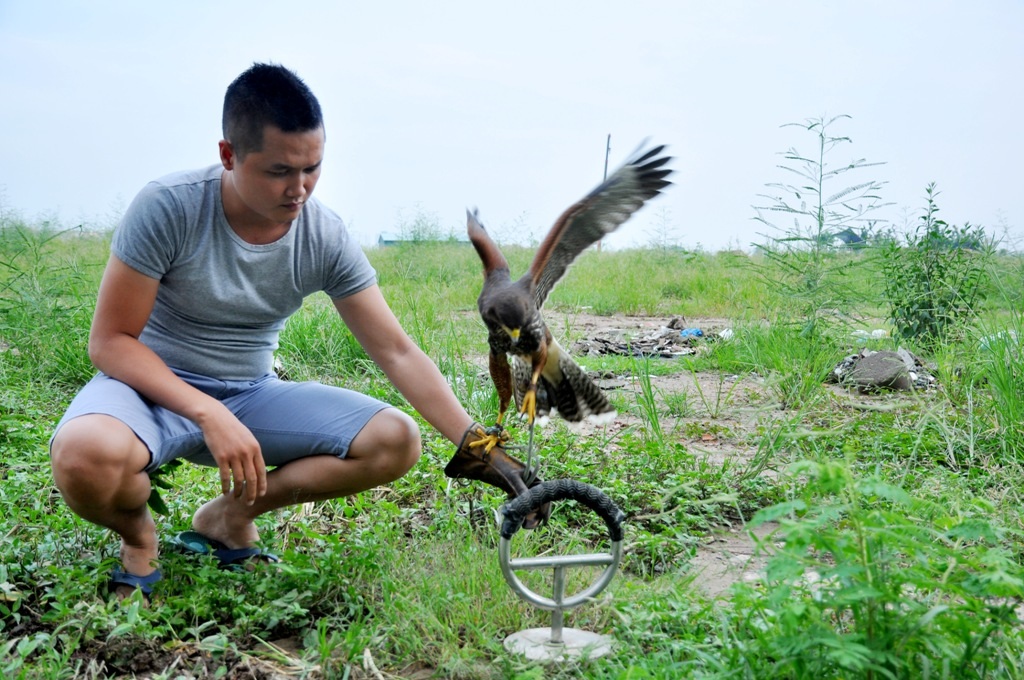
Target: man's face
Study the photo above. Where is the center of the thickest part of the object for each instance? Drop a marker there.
(270, 186)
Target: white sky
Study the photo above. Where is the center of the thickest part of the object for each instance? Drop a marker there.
(433, 107)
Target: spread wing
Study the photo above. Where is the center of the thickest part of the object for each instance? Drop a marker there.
(602, 211)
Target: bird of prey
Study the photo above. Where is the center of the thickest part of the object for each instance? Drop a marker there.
(543, 376)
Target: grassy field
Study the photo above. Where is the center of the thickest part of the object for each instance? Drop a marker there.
(891, 524)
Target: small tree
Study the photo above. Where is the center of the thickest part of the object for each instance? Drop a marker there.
(800, 257)
(663, 235)
(422, 227)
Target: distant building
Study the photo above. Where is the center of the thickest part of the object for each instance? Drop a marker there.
(388, 238)
(852, 239)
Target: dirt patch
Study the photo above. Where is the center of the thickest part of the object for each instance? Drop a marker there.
(731, 556)
(708, 409)
(132, 657)
(282, 659)
(571, 327)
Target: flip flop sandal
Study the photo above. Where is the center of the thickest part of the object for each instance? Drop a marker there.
(236, 559)
(142, 583)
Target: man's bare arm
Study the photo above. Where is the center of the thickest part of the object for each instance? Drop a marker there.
(415, 375)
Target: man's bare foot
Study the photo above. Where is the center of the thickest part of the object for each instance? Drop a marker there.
(228, 520)
(140, 560)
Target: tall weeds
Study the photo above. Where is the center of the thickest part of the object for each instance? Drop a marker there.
(802, 261)
(46, 297)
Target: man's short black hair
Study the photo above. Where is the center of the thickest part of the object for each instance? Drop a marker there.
(267, 94)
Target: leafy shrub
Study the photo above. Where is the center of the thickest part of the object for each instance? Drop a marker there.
(874, 582)
(935, 281)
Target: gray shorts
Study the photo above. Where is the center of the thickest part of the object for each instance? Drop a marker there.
(290, 420)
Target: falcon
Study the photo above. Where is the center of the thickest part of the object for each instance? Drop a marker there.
(543, 376)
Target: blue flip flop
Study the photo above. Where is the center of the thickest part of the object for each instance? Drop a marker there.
(227, 558)
(143, 583)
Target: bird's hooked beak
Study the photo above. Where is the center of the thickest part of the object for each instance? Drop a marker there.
(512, 333)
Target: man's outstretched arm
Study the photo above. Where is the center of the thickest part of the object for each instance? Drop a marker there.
(409, 369)
(416, 376)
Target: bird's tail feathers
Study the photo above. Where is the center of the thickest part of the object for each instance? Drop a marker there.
(569, 392)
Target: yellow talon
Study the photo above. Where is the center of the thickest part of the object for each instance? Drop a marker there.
(488, 442)
(489, 437)
(529, 406)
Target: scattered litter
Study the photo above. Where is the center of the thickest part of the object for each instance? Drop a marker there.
(664, 347)
(1002, 338)
(674, 339)
(877, 334)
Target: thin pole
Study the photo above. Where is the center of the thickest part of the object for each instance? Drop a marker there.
(607, 150)
(558, 615)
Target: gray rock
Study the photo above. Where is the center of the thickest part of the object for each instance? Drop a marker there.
(880, 370)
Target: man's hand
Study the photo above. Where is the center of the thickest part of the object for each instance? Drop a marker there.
(474, 460)
(123, 308)
(237, 454)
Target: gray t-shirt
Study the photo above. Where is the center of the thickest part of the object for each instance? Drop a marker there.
(222, 302)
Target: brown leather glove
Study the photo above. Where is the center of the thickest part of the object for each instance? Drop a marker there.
(481, 456)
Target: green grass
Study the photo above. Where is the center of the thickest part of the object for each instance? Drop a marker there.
(901, 515)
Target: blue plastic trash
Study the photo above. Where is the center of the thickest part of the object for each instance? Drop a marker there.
(691, 333)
